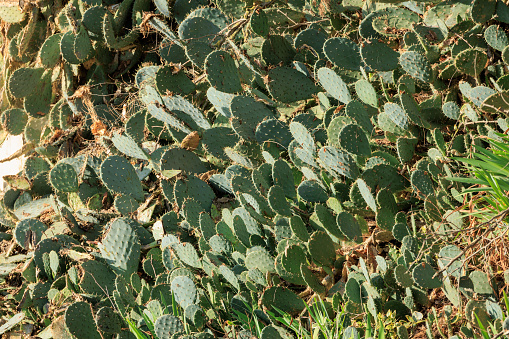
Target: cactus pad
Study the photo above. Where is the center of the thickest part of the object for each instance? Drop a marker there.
(471, 61)
(28, 233)
(108, 321)
(119, 176)
(14, 120)
(366, 92)
(496, 37)
(288, 85)
(334, 85)
(22, 81)
(416, 65)
(338, 162)
(167, 325)
(353, 139)
(349, 226)
(321, 249)
(423, 276)
(259, 22)
(222, 72)
(79, 321)
(170, 79)
(378, 56)
(343, 53)
(121, 247)
(283, 299)
(184, 290)
(63, 178)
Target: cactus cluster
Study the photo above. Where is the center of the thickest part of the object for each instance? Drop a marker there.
(194, 163)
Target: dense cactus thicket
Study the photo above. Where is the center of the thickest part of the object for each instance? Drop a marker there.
(203, 169)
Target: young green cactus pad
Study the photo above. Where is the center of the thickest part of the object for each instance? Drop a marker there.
(446, 255)
(230, 276)
(82, 45)
(484, 10)
(327, 220)
(366, 92)
(194, 188)
(187, 254)
(11, 13)
(397, 115)
(260, 259)
(182, 160)
(312, 280)
(321, 249)
(292, 257)
(273, 130)
(352, 132)
(128, 146)
(391, 19)
(406, 149)
(451, 110)
(247, 113)
(496, 37)
(277, 201)
(197, 52)
(38, 103)
(312, 40)
(413, 111)
(360, 114)
(349, 226)
(109, 34)
(403, 278)
(276, 49)
(67, 48)
(125, 204)
(312, 191)
(98, 279)
(270, 332)
(422, 183)
(299, 228)
(197, 28)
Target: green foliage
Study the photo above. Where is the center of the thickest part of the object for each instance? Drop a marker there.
(227, 169)
(489, 172)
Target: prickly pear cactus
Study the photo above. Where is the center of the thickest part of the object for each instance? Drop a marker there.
(196, 167)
